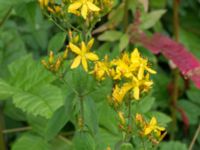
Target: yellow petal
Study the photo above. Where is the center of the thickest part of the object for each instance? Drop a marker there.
(84, 64)
(135, 53)
(74, 6)
(83, 47)
(153, 121)
(150, 70)
(74, 48)
(136, 93)
(76, 62)
(92, 7)
(90, 43)
(160, 128)
(148, 130)
(84, 11)
(141, 72)
(92, 56)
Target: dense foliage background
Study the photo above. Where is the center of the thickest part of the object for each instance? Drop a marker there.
(28, 122)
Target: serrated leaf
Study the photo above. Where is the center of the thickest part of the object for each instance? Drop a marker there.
(30, 142)
(6, 90)
(83, 141)
(124, 41)
(110, 36)
(152, 18)
(57, 41)
(49, 128)
(43, 101)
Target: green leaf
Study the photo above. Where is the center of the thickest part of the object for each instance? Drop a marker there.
(49, 128)
(149, 20)
(126, 146)
(90, 114)
(30, 142)
(27, 74)
(193, 95)
(173, 145)
(83, 141)
(105, 138)
(6, 91)
(162, 118)
(57, 41)
(110, 36)
(191, 110)
(61, 144)
(124, 41)
(145, 104)
(43, 101)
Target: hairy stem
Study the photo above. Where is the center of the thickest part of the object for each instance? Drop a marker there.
(175, 93)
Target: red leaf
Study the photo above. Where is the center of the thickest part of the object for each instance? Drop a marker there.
(176, 52)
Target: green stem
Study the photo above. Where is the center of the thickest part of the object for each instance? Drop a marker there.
(6, 16)
(175, 93)
(129, 127)
(125, 18)
(194, 138)
(82, 121)
(2, 144)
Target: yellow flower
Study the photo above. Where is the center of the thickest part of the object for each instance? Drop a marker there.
(84, 5)
(101, 69)
(153, 127)
(43, 3)
(119, 93)
(83, 54)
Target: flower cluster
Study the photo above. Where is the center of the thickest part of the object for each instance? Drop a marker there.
(83, 8)
(133, 70)
(150, 129)
(53, 64)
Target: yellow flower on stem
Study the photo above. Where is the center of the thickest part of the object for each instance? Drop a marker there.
(43, 3)
(83, 54)
(84, 5)
(153, 127)
(101, 69)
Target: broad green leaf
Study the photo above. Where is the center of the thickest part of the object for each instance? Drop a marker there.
(83, 141)
(194, 95)
(57, 41)
(105, 138)
(110, 36)
(43, 101)
(162, 118)
(149, 20)
(173, 145)
(49, 128)
(144, 104)
(6, 91)
(116, 15)
(27, 74)
(124, 41)
(91, 114)
(126, 146)
(191, 110)
(30, 142)
(61, 143)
